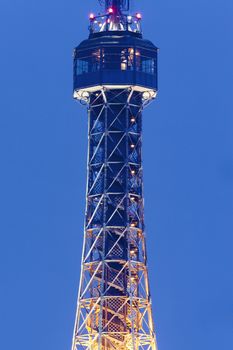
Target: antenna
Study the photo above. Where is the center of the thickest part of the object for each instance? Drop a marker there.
(119, 5)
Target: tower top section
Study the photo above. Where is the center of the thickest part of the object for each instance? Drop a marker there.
(115, 19)
(115, 56)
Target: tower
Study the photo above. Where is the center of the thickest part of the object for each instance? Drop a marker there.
(115, 75)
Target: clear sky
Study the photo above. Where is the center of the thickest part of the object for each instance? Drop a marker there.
(188, 170)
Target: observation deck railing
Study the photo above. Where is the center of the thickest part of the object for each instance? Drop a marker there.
(109, 22)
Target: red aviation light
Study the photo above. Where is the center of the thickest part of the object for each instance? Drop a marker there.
(91, 16)
(139, 15)
(110, 10)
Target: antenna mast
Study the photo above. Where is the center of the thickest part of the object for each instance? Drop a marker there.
(119, 5)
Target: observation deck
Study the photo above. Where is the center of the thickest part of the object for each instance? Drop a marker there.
(115, 56)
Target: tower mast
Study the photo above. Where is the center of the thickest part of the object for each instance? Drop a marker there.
(115, 75)
(119, 5)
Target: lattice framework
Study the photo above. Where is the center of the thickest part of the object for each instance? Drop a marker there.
(114, 305)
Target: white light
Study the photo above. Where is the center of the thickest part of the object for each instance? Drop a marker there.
(146, 95)
(85, 94)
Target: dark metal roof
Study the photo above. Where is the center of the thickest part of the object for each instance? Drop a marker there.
(116, 38)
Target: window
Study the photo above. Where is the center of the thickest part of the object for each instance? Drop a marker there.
(145, 61)
(95, 60)
(111, 58)
(88, 61)
(116, 58)
(127, 59)
(82, 67)
(148, 65)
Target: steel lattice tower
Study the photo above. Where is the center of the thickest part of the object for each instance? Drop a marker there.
(115, 75)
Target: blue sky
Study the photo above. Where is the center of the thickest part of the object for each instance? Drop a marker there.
(188, 170)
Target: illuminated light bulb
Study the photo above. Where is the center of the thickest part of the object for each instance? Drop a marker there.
(85, 96)
(133, 172)
(146, 95)
(139, 16)
(132, 146)
(110, 10)
(132, 120)
(92, 16)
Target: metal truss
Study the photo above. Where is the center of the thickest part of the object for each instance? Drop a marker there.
(114, 305)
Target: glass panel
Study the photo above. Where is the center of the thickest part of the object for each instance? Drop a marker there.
(127, 59)
(131, 58)
(88, 61)
(138, 60)
(116, 58)
(95, 61)
(112, 58)
(145, 61)
(82, 67)
(148, 65)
